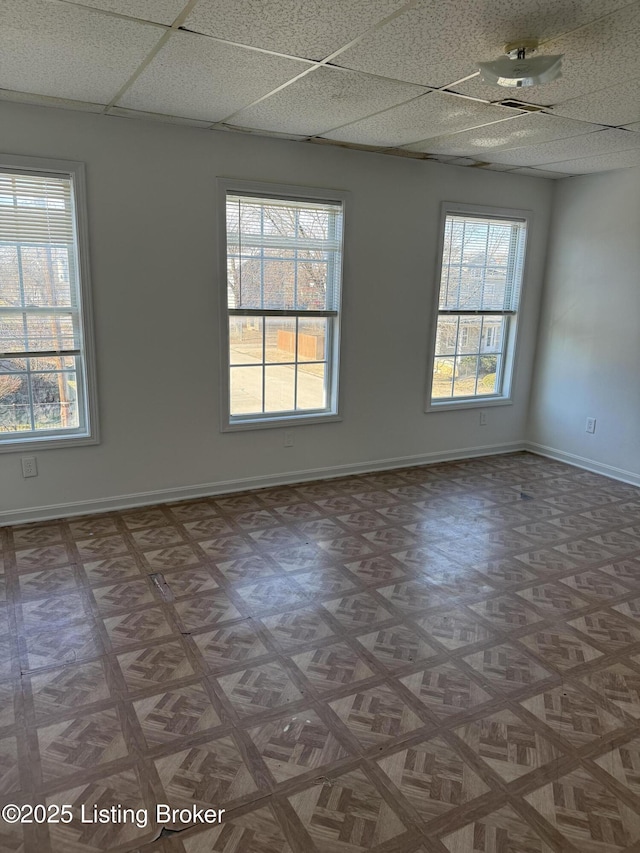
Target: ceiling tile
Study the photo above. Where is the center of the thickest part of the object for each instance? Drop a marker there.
(272, 134)
(160, 11)
(616, 105)
(462, 161)
(319, 140)
(498, 167)
(590, 145)
(596, 56)
(198, 77)
(50, 101)
(524, 130)
(600, 163)
(69, 52)
(146, 116)
(312, 29)
(435, 114)
(77, 55)
(325, 98)
(435, 44)
(391, 152)
(539, 173)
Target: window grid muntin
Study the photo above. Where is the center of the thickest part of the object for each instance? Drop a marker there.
(29, 374)
(331, 246)
(456, 355)
(296, 363)
(52, 310)
(508, 273)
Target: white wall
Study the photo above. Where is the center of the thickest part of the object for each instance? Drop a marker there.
(588, 358)
(153, 257)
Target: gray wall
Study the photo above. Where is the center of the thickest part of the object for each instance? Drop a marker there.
(153, 247)
(588, 359)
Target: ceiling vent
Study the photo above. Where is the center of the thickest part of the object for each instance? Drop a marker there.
(521, 105)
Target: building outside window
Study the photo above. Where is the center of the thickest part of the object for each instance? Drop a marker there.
(283, 251)
(47, 386)
(481, 271)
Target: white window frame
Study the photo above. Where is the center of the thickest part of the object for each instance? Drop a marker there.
(509, 361)
(233, 423)
(89, 433)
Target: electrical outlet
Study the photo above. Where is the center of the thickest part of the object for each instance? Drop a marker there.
(483, 418)
(591, 425)
(29, 466)
(288, 438)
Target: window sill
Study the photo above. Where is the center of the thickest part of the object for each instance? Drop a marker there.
(454, 405)
(274, 423)
(49, 442)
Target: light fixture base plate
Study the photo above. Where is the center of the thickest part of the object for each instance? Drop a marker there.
(530, 45)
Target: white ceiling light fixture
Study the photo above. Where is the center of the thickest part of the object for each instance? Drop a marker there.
(516, 69)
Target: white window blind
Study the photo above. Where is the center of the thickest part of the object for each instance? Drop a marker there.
(38, 307)
(42, 368)
(287, 254)
(480, 283)
(283, 288)
(481, 264)
(35, 208)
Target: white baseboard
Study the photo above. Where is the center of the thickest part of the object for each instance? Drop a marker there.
(582, 462)
(184, 493)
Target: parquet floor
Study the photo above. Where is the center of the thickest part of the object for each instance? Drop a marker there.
(443, 658)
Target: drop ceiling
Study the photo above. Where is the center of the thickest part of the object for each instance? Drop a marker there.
(382, 75)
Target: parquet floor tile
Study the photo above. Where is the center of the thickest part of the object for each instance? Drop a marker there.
(257, 831)
(262, 687)
(295, 744)
(507, 667)
(433, 777)
(619, 684)
(211, 773)
(438, 658)
(376, 715)
(573, 715)
(446, 690)
(346, 814)
(508, 744)
(332, 666)
(623, 763)
(586, 813)
(174, 714)
(502, 831)
(398, 646)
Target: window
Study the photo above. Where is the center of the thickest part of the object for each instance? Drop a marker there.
(481, 272)
(281, 305)
(44, 362)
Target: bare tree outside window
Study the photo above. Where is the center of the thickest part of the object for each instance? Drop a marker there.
(481, 273)
(283, 296)
(39, 312)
